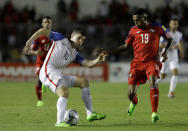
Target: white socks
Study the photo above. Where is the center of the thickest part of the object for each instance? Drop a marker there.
(62, 104)
(86, 97)
(61, 108)
(173, 83)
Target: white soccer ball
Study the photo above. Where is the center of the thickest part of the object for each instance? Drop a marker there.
(71, 117)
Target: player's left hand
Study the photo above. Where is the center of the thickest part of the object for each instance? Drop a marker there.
(26, 49)
(174, 46)
(164, 56)
(181, 54)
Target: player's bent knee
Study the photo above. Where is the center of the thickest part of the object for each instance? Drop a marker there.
(85, 83)
(152, 81)
(153, 85)
(66, 93)
(163, 76)
(175, 72)
(62, 92)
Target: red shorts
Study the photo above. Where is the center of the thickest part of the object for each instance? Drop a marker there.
(141, 72)
(38, 66)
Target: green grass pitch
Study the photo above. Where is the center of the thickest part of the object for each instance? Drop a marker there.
(18, 111)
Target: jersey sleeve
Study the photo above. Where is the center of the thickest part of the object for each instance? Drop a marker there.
(34, 45)
(55, 36)
(162, 40)
(130, 37)
(78, 59)
(164, 32)
(181, 37)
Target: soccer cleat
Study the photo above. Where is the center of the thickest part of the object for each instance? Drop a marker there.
(62, 124)
(40, 103)
(154, 117)
(44, 88)
(96, 116)
(131, 109)
(171, 95)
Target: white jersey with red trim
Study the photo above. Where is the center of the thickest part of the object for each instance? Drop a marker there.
(172, 62)
(60, 54)
(176, 38)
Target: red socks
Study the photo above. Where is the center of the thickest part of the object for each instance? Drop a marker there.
(135, 100)
(154, 97)
(38, 92)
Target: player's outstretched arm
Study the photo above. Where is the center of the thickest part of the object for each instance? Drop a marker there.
(35, 52)
(164, 54)
(36, 35)
(181, 48)
(118, 50)
(91, 63)
(32, 52)
(168, 44)
(162, 45)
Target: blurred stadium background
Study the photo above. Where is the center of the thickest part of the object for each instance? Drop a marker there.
(106, 23)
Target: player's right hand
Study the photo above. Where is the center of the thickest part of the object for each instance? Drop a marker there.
(164, 56)
(102, 57)
(102, 51)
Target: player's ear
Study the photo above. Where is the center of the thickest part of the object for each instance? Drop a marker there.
(177, 23)
(71, 35)
(84, 37)
(170, 23)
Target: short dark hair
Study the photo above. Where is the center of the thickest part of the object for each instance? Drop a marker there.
(140, 11)
(79, 30)
(47, 17)
(174, 18)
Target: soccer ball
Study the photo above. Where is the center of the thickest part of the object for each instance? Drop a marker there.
(71, 117)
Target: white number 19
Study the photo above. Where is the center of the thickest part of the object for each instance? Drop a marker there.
(145, 38)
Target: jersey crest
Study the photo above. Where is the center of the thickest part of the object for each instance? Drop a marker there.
(164, 28)
(43, 41)
(152, 30)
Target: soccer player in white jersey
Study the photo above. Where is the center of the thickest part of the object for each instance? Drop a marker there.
(172, 60)
(62, 53)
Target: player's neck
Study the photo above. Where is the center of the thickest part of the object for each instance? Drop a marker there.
(73, 44)
(47, 31)
(144, 26)
(173, 30)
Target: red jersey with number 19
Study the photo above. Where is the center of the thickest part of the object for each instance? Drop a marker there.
(145, 42)
(42, 44)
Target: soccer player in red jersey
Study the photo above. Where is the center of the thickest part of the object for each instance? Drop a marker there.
(40, 48)
(144, 38)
